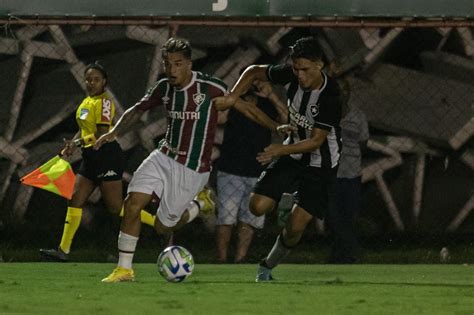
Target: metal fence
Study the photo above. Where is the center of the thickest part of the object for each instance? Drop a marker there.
(413, 82)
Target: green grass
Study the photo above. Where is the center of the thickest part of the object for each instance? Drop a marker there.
(230, 289)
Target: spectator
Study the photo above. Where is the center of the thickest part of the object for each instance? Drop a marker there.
(342, 217)
(238, 170)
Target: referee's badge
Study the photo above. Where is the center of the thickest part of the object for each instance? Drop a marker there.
(199, 98)
(314, 108)
(83, 114)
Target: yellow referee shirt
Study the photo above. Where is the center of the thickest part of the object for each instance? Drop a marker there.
(93, 111)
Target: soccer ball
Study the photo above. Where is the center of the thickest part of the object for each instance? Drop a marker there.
(175, 263)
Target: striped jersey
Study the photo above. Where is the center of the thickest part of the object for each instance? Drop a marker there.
(320, 108)
(93, 111)
(191, 118)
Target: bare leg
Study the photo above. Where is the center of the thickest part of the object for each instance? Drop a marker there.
(260, 204)
(112, 195)
(83, 188)
(134, 203)
(223, 236)
(245, 235)
(293, 231)
(289, 237)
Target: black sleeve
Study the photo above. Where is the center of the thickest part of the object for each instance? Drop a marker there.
(280, 74)
(330, 107)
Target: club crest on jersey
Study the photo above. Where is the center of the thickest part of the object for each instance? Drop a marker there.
(199, 98)
(165, 100)
(83, 114)
(314, 109)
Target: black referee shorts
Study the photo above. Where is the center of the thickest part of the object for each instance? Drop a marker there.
(105, 164)
(315, 187)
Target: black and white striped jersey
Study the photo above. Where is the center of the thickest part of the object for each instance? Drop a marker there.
(320, 108)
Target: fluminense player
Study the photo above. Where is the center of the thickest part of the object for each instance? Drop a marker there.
(179, 168)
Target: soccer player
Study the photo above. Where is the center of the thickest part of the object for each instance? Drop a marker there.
(307, 160)
(104, 167)
(179, 168)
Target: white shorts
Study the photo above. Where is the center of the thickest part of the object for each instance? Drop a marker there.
(233, 194)
(175, 185)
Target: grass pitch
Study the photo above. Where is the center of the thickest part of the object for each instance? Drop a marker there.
(230, 289)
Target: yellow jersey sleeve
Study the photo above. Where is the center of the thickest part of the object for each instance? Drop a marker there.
(104, 111)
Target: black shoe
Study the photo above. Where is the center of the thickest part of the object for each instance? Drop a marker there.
(54, 255)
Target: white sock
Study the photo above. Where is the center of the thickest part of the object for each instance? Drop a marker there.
(277, 254)
(126, 246)
(193, 209)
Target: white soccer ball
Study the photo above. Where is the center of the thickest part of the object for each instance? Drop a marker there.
(175, 263)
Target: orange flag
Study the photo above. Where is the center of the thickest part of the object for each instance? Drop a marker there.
(55, 176)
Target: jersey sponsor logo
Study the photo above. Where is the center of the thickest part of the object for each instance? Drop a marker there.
(314, 109)
(83, 114)
(184, 115)
(106, 109)
(199, 98)
(299, 120)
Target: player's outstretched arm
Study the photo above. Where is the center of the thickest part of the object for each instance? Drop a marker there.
(129, 117)
(256, 114)
(252, 73)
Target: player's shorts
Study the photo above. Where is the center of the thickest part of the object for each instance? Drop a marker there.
(105, 164)
(315, 186)
(233, 197)
(175, 185)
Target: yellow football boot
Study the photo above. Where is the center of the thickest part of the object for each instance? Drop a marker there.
(120, 275)
(208, 206)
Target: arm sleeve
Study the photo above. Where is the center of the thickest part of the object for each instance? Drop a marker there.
(330, 109)
(280, 74)
(104, 111)
(153, 96)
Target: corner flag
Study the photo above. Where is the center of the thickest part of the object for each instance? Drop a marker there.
(55, 176)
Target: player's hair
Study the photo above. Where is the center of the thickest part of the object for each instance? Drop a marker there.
(306, 47)
(96, 66)
(174, 45)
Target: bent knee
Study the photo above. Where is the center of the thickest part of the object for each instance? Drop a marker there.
(260, 205)
(132, 207)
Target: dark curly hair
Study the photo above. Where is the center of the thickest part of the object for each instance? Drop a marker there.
(306, 47)
(96, 66)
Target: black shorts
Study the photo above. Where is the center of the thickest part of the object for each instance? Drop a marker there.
(315, 187)
(105, 164)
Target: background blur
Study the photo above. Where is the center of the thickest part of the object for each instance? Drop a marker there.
(413, 81)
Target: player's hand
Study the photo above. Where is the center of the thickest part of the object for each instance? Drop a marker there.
(286, 129)
(106, 137)
(224, 102)
(69, 148)
(270, 153)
